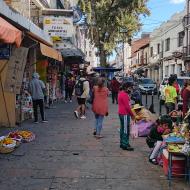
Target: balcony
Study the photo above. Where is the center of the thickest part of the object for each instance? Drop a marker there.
(186, 20)
(186, 51)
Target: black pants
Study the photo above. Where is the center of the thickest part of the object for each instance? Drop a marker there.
(114, 97)
(39, 103)
(169, 107)
(68, 93)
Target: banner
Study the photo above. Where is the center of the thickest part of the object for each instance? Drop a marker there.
(15, 71)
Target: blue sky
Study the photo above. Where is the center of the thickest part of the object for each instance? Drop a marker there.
(161, 10)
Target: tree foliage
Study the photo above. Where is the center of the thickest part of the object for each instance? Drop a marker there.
(105, 19)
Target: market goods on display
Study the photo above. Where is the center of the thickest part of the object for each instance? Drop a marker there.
(27, 136)
(13, 140)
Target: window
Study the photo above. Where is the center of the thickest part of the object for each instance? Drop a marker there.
(180, 38)
(90, 53)
(151, 51)
(167, 42)
(158, 48)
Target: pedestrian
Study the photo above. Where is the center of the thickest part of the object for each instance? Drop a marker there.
(125, 113)
(37, 90)
(100, 105)
(62, 85)
(115, 85)
(82, 89)
(186, 98)
(170, 95)
(69, 87)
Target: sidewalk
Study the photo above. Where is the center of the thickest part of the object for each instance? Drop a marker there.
(66, 156)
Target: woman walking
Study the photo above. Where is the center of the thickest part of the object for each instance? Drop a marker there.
(125, 112)
(99, 106)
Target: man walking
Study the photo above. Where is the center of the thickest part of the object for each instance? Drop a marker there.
(37, 89)
(82, 89)
(114, 89)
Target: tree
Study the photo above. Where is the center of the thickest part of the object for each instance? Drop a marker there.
(106, 18)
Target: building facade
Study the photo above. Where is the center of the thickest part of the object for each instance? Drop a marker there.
(166, 49)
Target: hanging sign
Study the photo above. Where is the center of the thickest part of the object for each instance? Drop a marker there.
(16, 66)
(5, 51)
(60, 26)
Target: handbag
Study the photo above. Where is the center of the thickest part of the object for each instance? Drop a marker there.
(91, 98)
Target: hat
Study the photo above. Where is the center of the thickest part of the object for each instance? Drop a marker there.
(36, 75)
(137, 106)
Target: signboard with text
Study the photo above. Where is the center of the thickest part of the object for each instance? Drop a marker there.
(16, 66)
(60, 26)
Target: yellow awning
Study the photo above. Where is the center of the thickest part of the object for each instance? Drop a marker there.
(50, 52)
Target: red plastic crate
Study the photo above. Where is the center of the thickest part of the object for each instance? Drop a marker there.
(178, 164)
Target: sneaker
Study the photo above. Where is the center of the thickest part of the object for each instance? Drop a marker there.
(76, 114)
(44, 121)
(65, 101)
(128, 148)
(70, 101)
(83, 117)
(36, 122)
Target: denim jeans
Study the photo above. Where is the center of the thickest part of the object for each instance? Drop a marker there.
(98, 123)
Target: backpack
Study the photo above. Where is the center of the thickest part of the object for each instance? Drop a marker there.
(79, 89)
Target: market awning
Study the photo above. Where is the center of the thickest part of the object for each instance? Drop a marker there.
(9, 34)
(72, 52)
(50, 52)
(108, 69)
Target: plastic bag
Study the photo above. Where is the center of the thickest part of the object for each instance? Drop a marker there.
(134, 131)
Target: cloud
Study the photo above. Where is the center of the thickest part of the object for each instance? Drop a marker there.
(177, 1)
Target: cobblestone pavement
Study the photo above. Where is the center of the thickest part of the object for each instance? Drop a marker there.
(65, 156)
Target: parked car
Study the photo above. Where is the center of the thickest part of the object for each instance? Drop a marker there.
(163, 84)
(147, 85)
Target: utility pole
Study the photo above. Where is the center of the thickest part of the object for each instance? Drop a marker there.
(123, 31)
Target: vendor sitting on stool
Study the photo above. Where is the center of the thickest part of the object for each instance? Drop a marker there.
(154, 140)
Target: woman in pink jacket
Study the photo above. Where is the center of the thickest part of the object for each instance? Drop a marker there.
(125, 112)
(100, 105)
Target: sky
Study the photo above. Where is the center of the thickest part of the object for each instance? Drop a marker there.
(161, 10)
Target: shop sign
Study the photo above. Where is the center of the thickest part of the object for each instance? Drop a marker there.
(16, 66)
(5, 51)
(60, 26)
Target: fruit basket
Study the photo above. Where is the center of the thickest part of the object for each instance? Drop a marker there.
(7, 145)
(27, 136)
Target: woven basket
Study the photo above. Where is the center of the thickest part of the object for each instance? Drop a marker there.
(5, 150)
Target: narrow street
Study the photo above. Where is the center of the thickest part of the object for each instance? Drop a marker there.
(65, 156)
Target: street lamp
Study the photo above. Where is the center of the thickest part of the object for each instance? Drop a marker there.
(124, 31)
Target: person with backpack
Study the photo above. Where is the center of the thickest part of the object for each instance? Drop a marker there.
(69, 87)
(82, 89)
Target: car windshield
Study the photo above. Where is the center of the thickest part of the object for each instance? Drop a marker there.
(146, 81)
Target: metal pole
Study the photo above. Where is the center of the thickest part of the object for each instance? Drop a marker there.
(152, 104)
(146, 104)
(123, 57)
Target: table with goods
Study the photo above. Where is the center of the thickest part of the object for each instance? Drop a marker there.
(178, 151)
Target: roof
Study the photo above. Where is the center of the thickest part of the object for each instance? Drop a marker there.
(137, 44)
